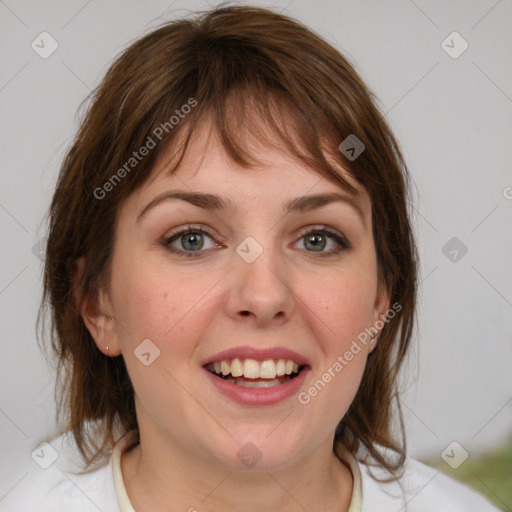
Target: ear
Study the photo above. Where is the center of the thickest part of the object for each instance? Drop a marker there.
(96, 312)
(380, 308)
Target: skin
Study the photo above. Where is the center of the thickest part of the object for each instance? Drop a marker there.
(193, 308)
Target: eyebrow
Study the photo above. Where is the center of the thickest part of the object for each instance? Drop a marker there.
(212, 202)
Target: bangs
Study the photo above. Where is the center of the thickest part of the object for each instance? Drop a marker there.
(246, 121)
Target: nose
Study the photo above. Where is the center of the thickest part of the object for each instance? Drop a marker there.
(261, 291)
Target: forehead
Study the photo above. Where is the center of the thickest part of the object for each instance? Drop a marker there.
(207, 166)
(278, 181)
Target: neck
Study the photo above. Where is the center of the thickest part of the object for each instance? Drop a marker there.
(159, 474)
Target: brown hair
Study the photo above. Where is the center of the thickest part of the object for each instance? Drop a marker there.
(221, 63)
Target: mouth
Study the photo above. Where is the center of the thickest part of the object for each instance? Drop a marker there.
(251, 373)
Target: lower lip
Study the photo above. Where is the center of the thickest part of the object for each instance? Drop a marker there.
(259, 396)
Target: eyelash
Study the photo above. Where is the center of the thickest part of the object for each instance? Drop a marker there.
(341, 240)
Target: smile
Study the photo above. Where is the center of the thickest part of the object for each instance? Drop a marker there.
(250, 382)
(251, 373)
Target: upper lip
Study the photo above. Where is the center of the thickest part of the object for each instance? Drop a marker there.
(258, 354)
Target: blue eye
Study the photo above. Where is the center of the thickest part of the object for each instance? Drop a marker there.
(191, 239)
(193, 244)
(317, 239)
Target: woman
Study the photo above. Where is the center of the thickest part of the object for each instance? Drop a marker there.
(231, 276)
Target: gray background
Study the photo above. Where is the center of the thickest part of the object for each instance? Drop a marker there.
(452, 117)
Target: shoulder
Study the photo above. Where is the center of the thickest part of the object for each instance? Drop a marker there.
(419, 489)
(62, 485)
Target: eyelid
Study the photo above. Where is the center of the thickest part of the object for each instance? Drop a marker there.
(186, 228)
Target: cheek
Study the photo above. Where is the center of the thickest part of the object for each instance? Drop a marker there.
(342, 306)
(155, 302)
(340, 310)
(144, 302)
(145, 306)
(165, 307)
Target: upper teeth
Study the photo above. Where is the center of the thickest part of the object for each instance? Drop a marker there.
(252, 369)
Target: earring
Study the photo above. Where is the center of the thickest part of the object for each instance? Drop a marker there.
(373, 340)
(107, 349)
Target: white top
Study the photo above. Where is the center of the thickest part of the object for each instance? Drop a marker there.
(60, 489)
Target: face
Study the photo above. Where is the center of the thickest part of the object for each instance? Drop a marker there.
(255, 287)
